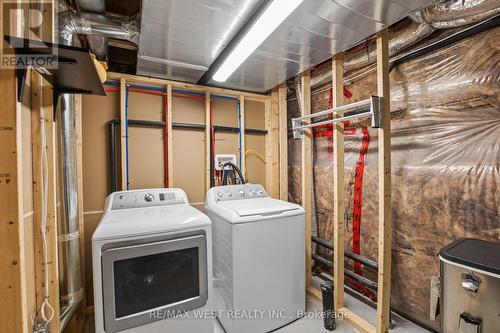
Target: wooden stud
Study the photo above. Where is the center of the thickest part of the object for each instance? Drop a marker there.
(283, 143)
(355, 320)
(315, 293)
(12, 279)
(42, 105)
(78, 106)
(123, 133)
(268, 149)
(338, 181)
(243, 165)
(384, 169)
(135, 79)
(170, 137)
(275, 149)
(272, 145)
(307, 172)
(207, 140)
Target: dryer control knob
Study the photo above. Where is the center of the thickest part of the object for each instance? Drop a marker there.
(260, 192)
(241, 193)
(149, 197)
(219, 194)
(252, 192)
(229, 194)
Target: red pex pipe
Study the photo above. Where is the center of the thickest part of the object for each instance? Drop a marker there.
(165, 108)
(149, 92)
(212, 131)
(356, 208)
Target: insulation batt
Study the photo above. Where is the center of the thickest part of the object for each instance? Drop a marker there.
(445, 163)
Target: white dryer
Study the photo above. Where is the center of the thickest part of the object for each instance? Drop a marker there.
(259, 258)
(152, 264)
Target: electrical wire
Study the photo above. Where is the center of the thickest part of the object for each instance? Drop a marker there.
(44, 165)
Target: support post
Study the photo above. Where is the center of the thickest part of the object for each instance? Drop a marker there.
(207, 140)
(13, 279)
(283, 143)
(384, 169)
(80, 318)
(272, 145)
(307, 172)
(338, 181)
(243, 165)
(169, 137)
(42, 106)
(123, 133)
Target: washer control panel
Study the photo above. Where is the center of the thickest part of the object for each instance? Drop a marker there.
(145, 198)
(238, 192)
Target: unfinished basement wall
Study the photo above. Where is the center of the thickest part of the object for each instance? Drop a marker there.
(147, 149)
(445, 162)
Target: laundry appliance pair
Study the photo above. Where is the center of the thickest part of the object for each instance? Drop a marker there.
(160, 265)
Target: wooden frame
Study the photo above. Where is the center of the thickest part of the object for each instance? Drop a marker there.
(14, 312)
(384, 167)
(384, 176)
(169, 138)
(272, 145)
(338, 181)
(135, 79)
(123, 133)
(207, 140)
(273, 106)
(385, 229)
(283, 142)
(243, 165)
(307, 176)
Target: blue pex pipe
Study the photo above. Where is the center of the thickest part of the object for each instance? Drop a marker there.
(147, 88)
(112, 83)
(126, 135)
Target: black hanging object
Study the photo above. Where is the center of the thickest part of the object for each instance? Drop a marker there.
(72, 71)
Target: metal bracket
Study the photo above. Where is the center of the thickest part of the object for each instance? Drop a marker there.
(376, 109)
(297, 133)
(370, 107)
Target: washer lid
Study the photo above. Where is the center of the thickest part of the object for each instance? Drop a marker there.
(259, 207)
(474, 254)
(149, 220)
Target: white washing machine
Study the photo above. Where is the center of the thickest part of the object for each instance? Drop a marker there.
(259, 258)
(152, 258)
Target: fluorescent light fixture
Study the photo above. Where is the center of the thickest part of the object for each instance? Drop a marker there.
(268, 21)
(173, 63)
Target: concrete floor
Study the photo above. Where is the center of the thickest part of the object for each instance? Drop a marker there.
(315, 325)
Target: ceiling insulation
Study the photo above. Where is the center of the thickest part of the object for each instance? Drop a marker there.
(180, 39)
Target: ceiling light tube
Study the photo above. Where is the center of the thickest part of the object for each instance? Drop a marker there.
(173, 63)
(268, 21)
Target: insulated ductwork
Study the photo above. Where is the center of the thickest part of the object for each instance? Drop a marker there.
(448, 14)
(457, 13)
(71, 287)
(97, 28)
(97, 25)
